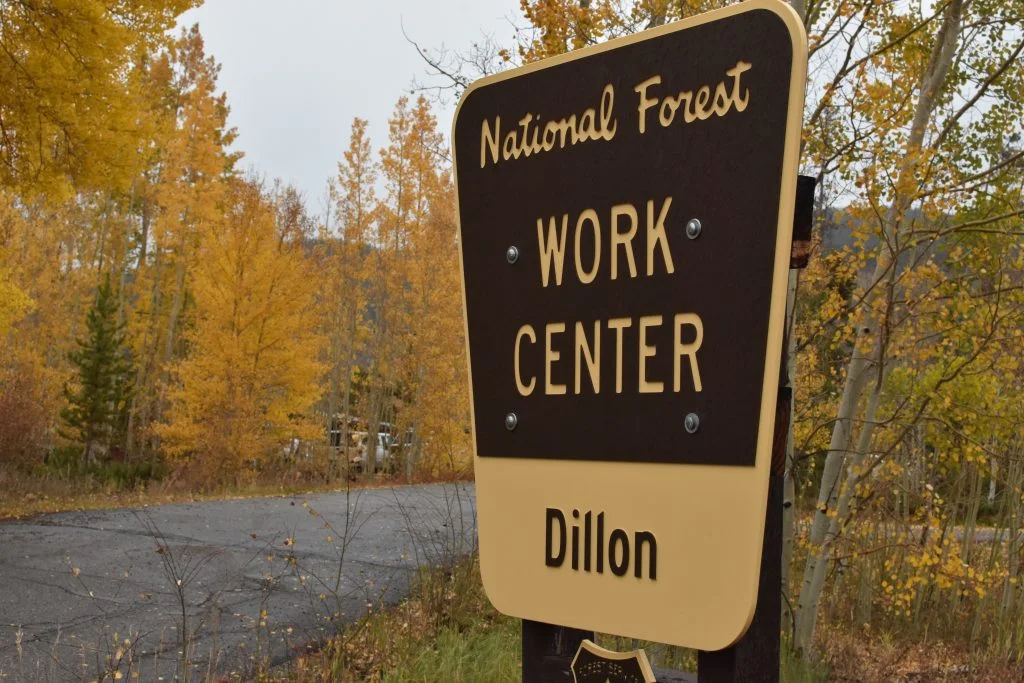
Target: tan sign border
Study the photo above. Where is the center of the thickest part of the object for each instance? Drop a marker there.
(714, 608)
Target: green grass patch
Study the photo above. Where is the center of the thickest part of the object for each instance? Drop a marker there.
(797, 669)
(447, 631)
(489, 654)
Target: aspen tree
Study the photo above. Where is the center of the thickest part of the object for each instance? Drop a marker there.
(56, 56)
(396, 217)
(251, 373)
(14, 303)
(347, 265)
(924, 173)
(186, 195)
(433, 372)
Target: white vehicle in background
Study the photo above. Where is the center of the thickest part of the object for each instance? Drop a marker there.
(382, 447)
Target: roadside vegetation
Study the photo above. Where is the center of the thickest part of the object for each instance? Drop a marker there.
(169, 324)
(447, 631)
(113, 487)
(172, 328)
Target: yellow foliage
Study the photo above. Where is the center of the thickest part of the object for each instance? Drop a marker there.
(14, 303)
(252, 371)
(69, 111)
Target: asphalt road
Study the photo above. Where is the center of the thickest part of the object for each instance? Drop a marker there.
(258, 578)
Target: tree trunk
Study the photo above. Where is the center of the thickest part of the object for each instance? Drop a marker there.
(172, 325)
(855, 376)
(992, 488)
(347, 396)
(333, 391)
(1011, 585)
(817, 559)
(176, 305)
(931, 83)
(373, 424)
(87, 456)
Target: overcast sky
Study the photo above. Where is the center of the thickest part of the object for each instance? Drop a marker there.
(297, 71)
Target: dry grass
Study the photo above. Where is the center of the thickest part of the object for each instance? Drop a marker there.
(448, 631)
(862, 658)
(460, 637)
(445, 631)
(25, 496)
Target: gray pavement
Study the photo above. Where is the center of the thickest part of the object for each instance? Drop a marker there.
(83, 593)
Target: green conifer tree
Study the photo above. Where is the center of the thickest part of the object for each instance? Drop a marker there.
(96, 414)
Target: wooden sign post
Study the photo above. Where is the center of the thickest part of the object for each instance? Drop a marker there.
(625, 219)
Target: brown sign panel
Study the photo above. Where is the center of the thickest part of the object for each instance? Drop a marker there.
(613, 323)
(625, 218)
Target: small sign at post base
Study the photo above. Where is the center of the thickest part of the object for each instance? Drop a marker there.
(595, 664)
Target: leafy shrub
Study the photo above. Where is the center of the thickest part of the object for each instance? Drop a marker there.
(127, 475)
(66, 463)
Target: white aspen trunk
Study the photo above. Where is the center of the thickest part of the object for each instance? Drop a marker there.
(373, 425)
(334, 390)
(346, 400)
(971, 524)
(122, 285)
(133, 408)
(333, 349)
(139, 419)
(101, 244)
(176, 305)
(410, 461)
(809, 588)
(813, 579)
(122, 288)
(172, 324)
(994, 468)
(143, 238)
(954, 593)
(376, 404)
(1012, 545)
(807, 616)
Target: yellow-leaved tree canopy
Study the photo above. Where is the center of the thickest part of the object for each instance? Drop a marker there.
(251, 375)
(69, 117)
(117, 164)
(392, 310)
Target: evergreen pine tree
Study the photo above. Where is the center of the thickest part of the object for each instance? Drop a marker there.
(97, 405)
